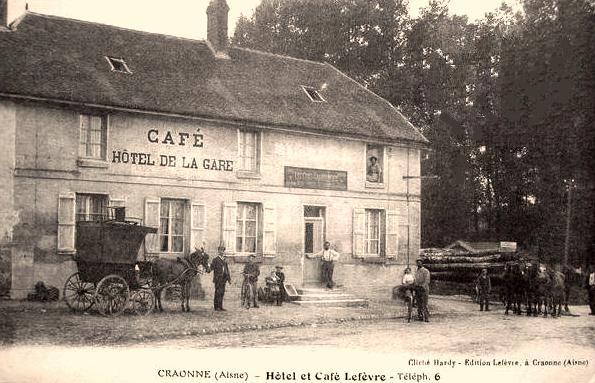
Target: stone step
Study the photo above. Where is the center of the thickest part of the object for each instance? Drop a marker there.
(319, 297)
(355, 302)
(319, 290)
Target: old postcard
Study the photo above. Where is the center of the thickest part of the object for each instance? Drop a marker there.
(297, 191)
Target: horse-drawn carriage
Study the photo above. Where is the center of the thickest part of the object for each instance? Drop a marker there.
(108, 274)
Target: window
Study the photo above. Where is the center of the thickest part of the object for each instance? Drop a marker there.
(374, 164)
(249, 150)
(313, 94)
(93, 136)
(91, 207)
(374, 232)
(313, 228)
(118, 65)
(248, 228)
(172, 222)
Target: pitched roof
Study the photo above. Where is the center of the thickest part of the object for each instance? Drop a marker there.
(62, 59)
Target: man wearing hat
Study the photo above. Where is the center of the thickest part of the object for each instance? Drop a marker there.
(483, 286)
(252, 271)
(328, 257)
(220, 277)
(280, 280)
(422, 288)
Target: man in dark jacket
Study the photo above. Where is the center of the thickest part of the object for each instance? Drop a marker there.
(483, 285)
(220, 277)
(422, 289)
(252, 271)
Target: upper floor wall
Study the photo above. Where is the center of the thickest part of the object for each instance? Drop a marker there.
(135, 145)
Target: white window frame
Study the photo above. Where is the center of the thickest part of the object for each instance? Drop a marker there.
(241, 217)
(383, 162)
(308, 89)
(118, 60)
(170, 234)
(84, 158)
(88, 204)
(254, 171)
(381, 214)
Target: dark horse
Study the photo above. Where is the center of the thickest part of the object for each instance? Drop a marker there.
(513, 285)
(178, 272)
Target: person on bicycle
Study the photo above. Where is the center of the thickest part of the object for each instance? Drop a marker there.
(272, 285)
(422, 285)
(251, 273)
(405, 291)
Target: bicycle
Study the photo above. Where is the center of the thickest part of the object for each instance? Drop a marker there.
(246, 295)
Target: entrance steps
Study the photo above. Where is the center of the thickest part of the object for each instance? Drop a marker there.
(316, 296)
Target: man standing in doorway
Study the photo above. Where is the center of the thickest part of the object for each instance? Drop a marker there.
(221, 276)
(328, 257)
(422, 287)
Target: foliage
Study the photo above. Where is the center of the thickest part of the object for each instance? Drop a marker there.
(506, 102)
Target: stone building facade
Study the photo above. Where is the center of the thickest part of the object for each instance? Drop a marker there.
(212, 144)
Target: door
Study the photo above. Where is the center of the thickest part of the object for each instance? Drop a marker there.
(313, 241)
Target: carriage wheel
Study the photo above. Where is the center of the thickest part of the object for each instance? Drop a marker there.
(78, 294)
(111, 295)
(142, 301)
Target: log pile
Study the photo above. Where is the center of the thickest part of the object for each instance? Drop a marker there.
(448, 266)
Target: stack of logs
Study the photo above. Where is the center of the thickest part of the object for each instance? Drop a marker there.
(448, 266)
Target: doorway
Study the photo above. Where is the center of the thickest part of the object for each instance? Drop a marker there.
(314, 236)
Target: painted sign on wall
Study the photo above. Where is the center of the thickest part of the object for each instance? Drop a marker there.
(168, 139)
(307, 178)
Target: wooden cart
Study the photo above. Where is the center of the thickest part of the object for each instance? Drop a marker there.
(108, 273)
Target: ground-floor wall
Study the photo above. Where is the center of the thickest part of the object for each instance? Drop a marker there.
(35, 256)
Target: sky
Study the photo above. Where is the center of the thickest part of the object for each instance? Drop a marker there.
(187, 18)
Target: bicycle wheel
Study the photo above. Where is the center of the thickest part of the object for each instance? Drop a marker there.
(246, 295)
(409, 308)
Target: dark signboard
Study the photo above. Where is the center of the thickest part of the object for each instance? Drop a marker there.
(315, 178)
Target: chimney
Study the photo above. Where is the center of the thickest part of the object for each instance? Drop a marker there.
(217, 26)
(3, 13)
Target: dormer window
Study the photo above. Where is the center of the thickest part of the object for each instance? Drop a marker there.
(313, 94)
(118, 65)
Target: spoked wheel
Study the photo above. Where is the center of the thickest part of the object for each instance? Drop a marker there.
(111, 295)
(142, 301)
(409, 301)
(246, 295)
(78, 295)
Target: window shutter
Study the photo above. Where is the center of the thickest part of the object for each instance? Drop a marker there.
(198, 223)
(66, 222)
(228, 232)
(403, 234)
(392, 229)
(359, 232)
(152, 211)
(269, 230)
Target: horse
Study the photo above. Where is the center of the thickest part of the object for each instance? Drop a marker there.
(542, 291)
(513, 284)
(178, 272)
(557, 291)
(527, 288)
